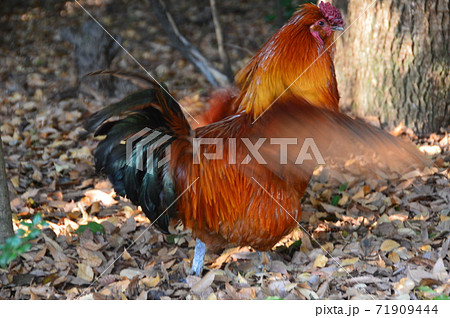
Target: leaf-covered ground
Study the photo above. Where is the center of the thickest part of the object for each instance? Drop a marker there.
(369, 239)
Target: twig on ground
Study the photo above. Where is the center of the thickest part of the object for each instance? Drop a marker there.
(192, 54)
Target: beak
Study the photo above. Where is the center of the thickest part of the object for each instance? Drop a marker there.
(337, 28)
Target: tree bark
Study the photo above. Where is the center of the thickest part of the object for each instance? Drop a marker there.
(6, 227)
(393, 62)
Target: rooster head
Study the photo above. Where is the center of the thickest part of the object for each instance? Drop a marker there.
(327, 19)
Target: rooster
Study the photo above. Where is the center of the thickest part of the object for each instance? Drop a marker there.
(233, 190)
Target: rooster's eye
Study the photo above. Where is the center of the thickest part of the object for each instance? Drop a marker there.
(321, 23)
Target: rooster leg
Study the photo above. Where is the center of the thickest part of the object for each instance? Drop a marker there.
(199, 256)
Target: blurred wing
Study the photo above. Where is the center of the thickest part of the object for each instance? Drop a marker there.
(324, 136)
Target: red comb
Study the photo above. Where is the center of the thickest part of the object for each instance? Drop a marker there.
(331, 13)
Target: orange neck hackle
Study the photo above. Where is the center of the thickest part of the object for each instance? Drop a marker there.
(292, 62)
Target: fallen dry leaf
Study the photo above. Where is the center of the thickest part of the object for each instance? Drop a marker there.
(85, 272)
(389, 245)
(89, 257)
(131, 272)
(404, 286)
(129, 226)
(204, 283)
(151, 282)
(394, 257)
(98, 195)
(349, 261)
(439, 271)
(320, 261)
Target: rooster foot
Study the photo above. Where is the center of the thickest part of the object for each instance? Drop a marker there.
(199, 256)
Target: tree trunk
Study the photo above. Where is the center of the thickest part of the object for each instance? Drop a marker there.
(393, 62)
(6, 227)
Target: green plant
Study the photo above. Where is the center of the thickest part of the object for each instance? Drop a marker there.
(442, 297)
(93, 226)
(336, 198)
(20, 242)
(274, 298)
(427, 293)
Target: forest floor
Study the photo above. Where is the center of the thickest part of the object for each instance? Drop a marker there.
(364, 239)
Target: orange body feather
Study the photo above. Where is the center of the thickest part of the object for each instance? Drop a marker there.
(227, 207)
